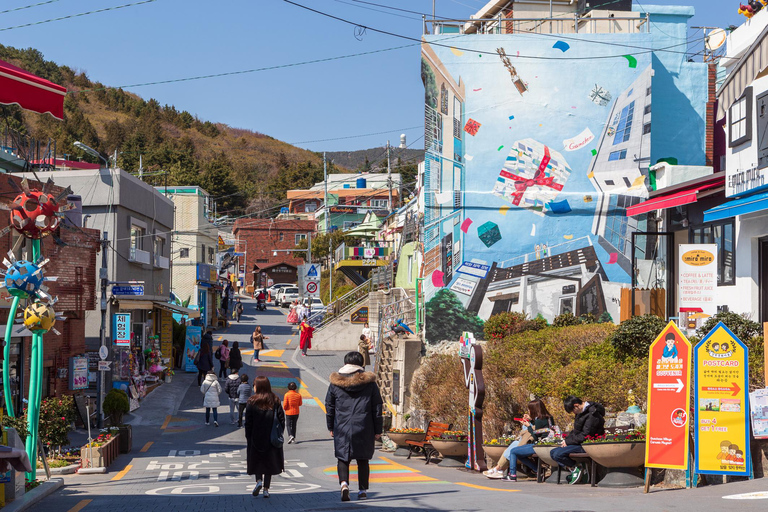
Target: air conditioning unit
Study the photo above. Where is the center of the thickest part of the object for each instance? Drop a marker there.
(585, 6)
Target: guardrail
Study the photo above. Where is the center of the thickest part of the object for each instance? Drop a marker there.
(340, 306)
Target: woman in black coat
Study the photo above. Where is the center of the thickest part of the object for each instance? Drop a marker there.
(264, 459)
(235, 357)
(205, 357)
(354, 407)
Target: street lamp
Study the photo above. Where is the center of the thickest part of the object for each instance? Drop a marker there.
(91, 151)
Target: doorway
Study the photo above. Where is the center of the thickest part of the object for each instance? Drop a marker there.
(763, 277)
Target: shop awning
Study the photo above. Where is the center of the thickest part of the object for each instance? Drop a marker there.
(741, 206)
(30, 92)
(128, 304)
(678, 198)
(175, 308)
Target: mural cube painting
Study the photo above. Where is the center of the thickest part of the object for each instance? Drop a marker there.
(545, 184)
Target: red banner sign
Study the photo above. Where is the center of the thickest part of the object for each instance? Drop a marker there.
(669, 397)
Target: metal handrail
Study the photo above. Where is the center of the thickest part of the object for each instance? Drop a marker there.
(340, 306)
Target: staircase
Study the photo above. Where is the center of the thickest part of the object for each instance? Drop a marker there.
(385, 352)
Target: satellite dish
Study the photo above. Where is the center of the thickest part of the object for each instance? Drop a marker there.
(715, 39)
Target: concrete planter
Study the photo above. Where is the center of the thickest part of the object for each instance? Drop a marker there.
(495, 451)
(623, 461)
(400, 438)
(542, 452)
(126, 438)
(453, 453)
(103, 455)
(66, 470)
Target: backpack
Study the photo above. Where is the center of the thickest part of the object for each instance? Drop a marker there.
(217, 354)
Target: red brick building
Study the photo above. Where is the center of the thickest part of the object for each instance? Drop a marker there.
(75, 266)
(264, 241)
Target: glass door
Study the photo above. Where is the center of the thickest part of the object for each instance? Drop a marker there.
(652, 271)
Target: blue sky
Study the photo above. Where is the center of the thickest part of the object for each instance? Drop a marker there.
(169, 39)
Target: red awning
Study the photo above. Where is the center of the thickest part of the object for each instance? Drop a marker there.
(30, 92)
(678, 198)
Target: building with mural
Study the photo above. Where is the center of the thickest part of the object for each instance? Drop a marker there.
(536, 145)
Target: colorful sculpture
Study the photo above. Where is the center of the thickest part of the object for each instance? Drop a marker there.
(471, 356)
(752, 7)
(39, 317)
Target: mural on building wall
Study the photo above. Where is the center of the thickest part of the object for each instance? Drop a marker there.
(527, 183)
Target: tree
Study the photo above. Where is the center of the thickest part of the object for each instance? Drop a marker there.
(320, 244)
(216, 179)
(447, 318)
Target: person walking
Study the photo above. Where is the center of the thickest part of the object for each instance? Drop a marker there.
(264, 453)
(364, 346)
(239, 308)
(204, 357)
(244, 392)
(305, 341)
(235, 357)
(230, 389)
(211, 389)
(589, 420)
(292, 401)
(354, 419)
(222, 354)
(258, 342)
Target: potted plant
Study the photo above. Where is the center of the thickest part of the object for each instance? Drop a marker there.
(495, 447)
(622, 454)
(168, 375)
(452, 446)
(116, 405)
(399, 436)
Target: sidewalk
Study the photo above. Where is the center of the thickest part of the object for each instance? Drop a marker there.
(319, 364)
(163, 401)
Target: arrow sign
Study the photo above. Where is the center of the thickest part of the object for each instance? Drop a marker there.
(733, 388)
(678, 386)
(104, 366)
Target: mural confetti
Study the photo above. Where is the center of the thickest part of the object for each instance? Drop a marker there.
(587, 199)
(559, 207)
(443, 197)
(465, 225)
(600, 96)
(457, 52)
(500, 148)
(472, 127)
(533, 230)
(594, 152)
(631, 60)
(568, 237)
(488, 233)
(511, 117)
(437, 279)
(533, 175)
(562, 46)
(468, 158)
(613, 258)
(478, 89)
(504, 209)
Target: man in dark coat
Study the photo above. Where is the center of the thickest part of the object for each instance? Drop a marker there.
(589, 421)
(205, 357)
(354, 419)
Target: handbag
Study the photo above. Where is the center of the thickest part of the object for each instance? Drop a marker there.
(276, 436)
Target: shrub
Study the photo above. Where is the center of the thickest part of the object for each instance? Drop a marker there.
(566, 319)
(588, 318)
(56, 415)
(502, 325)
(633, 337)
(605, 318)
(116, 404)
(744, 328)
(438, 385)
(18, 423)
(756, 363)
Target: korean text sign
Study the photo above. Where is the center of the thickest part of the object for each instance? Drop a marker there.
(122, 329)
(722, 404)
(669, 379)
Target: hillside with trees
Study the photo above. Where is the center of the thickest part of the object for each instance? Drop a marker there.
(248, 170)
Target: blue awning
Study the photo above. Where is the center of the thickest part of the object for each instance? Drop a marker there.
(740, 206)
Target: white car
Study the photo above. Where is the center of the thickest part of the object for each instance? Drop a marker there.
(275, 289)
(315, 305)
(287, 295)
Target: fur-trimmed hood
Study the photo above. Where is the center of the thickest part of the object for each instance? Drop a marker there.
(352, 380)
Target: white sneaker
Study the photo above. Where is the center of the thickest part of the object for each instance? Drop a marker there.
(290, 439)
(344, 492)
(266, 492)
(493, 473)
(215, 423)
(207, 423)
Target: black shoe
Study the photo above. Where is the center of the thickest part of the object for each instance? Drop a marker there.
(362, 494)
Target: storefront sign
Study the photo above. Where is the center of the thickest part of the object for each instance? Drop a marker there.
(78, 372)
(342, 209)
(758, 404)
(739, 182)
(166, 332)
(474, 269)
(128, 290)
(697, 281)
(121, 329)
(359, 316)
(463, 286)
(669, 396)
(192, 347)
(721, 401)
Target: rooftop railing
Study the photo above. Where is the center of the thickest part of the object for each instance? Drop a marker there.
(571, 24)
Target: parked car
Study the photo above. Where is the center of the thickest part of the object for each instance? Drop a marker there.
(275, 288)
(287, 295)
(315, 305)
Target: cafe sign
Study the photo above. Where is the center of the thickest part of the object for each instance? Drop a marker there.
(740, 182)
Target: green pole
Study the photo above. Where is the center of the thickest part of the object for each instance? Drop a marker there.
(7, 358)
(35, 387)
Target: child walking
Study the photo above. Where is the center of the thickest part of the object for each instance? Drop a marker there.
(244, 392)
(291, 403)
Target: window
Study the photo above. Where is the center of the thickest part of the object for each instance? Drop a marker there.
(629, 92)
(627, 182)
(739, 122)
(262, 260)
(298, 238)
(280, 237)
(410, 268)
(761, 108)
(184, 253)
(648, 91)
(457, 131)
(646, 128)
(566, 305)
(721, 234)
(159, 245)
(610, 183)
(617, 155)
(624, 128)
(202, 254)
(210, 255)
(443, 100)
(380, 203)
(310, 207)
(647, 110)
(137, 237)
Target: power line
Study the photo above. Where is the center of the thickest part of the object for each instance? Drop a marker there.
(70, 16)
(377, 10)
(28, 6)
(358, 136)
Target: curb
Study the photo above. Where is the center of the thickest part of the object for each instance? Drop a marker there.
(35, 496)
(311, 372)
(66, 470)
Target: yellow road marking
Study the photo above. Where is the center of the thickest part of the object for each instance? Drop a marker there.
(485, 488)
(395, 465)
(167, 421)
(220, 338)
(321, 404)
(146, 447)
(80, 506)
(288, 342)
(121, 474)
(272, 353)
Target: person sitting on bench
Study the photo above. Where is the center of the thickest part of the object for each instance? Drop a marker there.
(589, 421)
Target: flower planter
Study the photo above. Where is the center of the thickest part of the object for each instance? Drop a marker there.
(452, 452)
(400, 438)
(103, 455)
(495, 451)
(168, 379)
(623, 461)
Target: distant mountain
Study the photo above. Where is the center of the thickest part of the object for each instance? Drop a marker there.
(376, 158)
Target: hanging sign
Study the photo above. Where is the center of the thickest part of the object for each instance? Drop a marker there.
(192, 347)
(669, 397)
(78, 372)
(722, 404)
(121, 327)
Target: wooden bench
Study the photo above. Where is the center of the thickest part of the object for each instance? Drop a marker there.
(434, 429)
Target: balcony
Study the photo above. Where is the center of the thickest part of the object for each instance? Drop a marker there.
(356, 262)
(161, 262)
(138, 256)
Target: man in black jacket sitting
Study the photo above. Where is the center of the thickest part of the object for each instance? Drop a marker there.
(589, 421)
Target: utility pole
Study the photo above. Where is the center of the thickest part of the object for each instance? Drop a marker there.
(328, 230)
(389, 179)
(141, 169)
(102, 332)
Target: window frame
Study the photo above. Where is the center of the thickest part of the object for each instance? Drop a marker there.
(298, 237)
(746, 98)
(709, 238)
(627, 115)
(184, 252)
(620, 154)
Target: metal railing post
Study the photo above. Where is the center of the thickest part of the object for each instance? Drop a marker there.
(418, 302)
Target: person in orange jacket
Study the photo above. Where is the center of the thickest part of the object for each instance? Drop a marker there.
(291, 403)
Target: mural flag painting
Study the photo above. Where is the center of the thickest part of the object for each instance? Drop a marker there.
(669, 397)
(721, 399)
